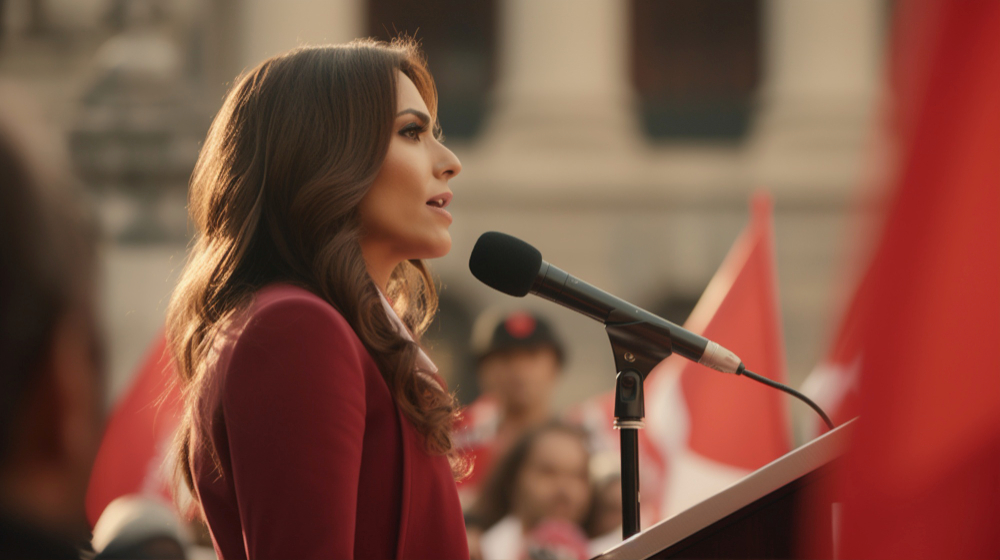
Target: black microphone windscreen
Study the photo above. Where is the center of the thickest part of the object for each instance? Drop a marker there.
(505, 263)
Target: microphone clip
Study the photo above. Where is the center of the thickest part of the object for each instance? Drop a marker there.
(637, 345)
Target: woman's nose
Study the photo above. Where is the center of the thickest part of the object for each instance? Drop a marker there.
(448, 164)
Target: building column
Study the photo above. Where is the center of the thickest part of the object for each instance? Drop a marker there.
(239, 34)
(563, 78)
(822, 80)
(270, 27)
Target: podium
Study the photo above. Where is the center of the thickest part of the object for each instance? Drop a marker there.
(759, 516)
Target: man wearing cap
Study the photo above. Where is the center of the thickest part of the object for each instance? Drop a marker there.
(519, 362)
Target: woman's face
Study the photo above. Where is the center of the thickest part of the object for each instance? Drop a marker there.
(404, 214)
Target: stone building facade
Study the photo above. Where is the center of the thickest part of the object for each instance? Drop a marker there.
(562, 157)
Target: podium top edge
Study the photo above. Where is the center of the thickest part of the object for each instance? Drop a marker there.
(769, 478)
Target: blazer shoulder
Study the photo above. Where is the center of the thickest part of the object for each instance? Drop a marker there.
(293, 308)
(285, 323)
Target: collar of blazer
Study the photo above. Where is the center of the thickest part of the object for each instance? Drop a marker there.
(424, 364)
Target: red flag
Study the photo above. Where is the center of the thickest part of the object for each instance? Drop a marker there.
(716, 427)
(134, 454)
(922, 478)
(706, 429)
(736, 421)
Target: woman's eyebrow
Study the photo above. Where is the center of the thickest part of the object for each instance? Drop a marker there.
(419, 114)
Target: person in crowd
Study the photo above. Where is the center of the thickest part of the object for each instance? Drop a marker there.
(315, 426)
(51, 356)
(136, 527)
(520, 361)
(537, 497)
(604, 521)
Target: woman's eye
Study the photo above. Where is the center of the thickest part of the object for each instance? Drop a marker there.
(412, 132)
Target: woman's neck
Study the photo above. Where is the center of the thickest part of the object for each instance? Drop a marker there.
(380, 267)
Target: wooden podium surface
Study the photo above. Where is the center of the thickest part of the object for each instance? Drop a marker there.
(756, 517)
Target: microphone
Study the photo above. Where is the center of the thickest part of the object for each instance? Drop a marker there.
(507, 264)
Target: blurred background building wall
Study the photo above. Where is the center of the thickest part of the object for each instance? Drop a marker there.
(623, 138)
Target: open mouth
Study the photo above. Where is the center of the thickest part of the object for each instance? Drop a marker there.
(440, 201)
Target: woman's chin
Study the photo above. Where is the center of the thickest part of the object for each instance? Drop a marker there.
(442, 250)
(436, 249)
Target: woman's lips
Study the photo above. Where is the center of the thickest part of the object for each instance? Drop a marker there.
(441, 211)
(438, 204)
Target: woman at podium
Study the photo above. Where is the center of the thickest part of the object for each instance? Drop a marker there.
(315, 426)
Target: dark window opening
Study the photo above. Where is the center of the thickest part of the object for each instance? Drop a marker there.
(696, 66)
(459, 38)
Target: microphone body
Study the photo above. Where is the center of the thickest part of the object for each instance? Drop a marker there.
(516, 268)
(563, 288)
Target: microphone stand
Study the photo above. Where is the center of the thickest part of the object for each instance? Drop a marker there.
(629, 414)
(637, 350)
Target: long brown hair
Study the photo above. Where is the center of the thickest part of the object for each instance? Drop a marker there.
(274, 197)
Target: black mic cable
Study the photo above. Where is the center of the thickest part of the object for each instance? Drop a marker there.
(782, 387)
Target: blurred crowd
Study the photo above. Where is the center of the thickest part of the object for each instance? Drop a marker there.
(538, 482)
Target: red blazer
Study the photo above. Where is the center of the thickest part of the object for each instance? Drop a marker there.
(316, 460)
